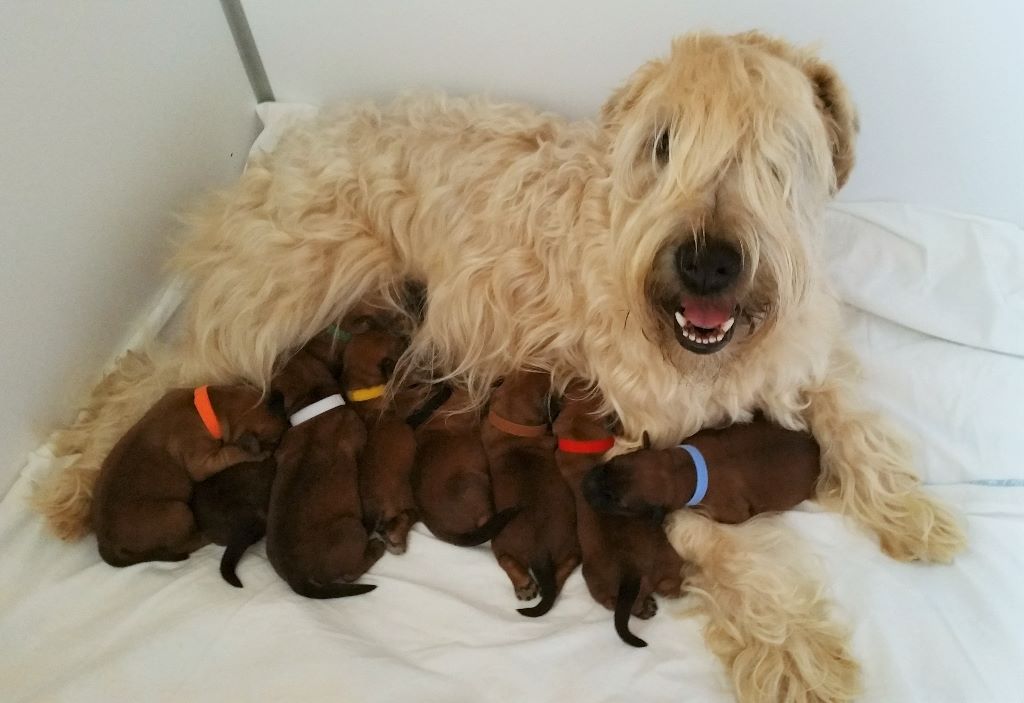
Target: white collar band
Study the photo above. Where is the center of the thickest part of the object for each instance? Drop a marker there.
(318, 408)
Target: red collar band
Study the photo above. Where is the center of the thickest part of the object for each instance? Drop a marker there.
(585, 446)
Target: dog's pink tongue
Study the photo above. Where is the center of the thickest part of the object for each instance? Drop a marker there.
(708, 314)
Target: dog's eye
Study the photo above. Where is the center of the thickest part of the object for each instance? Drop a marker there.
(661, 148)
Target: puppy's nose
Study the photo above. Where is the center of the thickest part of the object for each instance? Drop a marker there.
(709, 269)
(597, 488)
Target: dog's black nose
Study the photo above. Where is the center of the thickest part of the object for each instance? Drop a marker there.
(709, 269)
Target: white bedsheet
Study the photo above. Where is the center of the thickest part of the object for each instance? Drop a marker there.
(442, 625)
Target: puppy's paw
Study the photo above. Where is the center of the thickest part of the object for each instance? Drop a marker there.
(645, 607)
(527, 591)
(396, 531)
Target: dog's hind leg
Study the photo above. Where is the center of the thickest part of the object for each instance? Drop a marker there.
(867, 475)
(767, 619)
(137, 381)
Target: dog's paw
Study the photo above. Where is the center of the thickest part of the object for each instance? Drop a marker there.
(923, 531)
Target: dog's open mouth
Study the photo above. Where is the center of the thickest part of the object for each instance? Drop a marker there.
(705, 325)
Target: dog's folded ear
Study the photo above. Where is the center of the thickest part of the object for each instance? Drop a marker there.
(831, 96)
(839, 114)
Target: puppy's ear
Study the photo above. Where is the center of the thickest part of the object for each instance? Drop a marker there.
(275, 404)
(248, 442)
(554, 406)
(646, 440)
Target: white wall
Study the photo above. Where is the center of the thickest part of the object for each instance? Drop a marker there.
(113, 115)
(940, 83)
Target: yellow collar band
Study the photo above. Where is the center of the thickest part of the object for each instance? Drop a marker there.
(358, 395)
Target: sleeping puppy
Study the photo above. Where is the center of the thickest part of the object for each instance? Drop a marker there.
(385, 465)
(451, 480)
(521, 453)
(315, 533)
(371, 313)
(625, 559)
(730, 474)
(141, 511)
(231, 510)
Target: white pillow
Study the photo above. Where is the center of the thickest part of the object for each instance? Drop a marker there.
(962, 407)
(951, 276)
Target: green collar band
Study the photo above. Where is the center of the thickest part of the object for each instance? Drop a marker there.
(340, 334)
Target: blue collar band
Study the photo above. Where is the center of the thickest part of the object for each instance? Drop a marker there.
(701, 467)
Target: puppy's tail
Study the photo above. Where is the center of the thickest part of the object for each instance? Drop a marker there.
(486, 532)
(242, 537)
(629, 589)
(308, 589)
(544, 571)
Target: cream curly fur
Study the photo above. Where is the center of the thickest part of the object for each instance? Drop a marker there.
(765, 614)
(549, 243)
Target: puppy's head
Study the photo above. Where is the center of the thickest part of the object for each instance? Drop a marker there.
(581, 414)
(247, 418)
(641, 483)
(524, 397)
(371, 358)
(723, 156)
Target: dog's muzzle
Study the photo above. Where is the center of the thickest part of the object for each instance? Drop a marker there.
(706, 315)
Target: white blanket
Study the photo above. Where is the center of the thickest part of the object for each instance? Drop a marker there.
(442, 625)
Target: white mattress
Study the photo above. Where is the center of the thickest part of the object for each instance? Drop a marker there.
(442, 625)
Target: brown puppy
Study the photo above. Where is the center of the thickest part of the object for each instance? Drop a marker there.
(231, 510)
(752, 468)
(315, 533)
(140, 511)
(385, 466)
(451, 479)
(521, 454)
(625, 559)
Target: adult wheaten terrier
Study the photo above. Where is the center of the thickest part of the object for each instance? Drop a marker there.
(665, 251)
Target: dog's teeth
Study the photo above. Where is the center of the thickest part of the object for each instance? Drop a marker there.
(719, 338)
(727, 325)
(680, 320)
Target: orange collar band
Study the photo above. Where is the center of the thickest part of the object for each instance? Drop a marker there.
(585, 446)
(358, 395)
(201, 399)
(514, 428)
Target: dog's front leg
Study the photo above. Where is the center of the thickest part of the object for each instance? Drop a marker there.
(867, 475)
